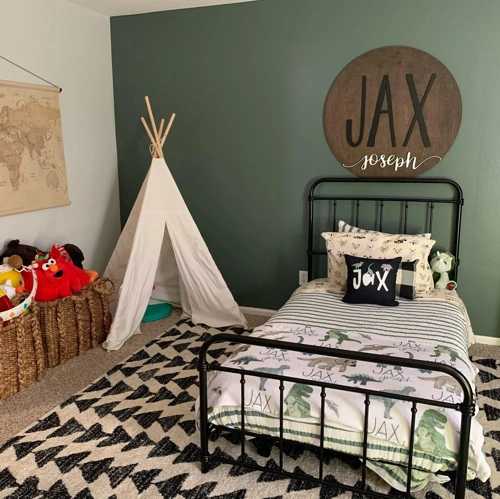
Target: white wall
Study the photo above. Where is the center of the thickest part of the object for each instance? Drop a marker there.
(71, 47)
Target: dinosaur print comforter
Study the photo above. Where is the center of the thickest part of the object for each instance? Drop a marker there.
(432, 327)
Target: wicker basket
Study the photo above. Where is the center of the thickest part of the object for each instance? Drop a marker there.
(21, 352)
(71, 326)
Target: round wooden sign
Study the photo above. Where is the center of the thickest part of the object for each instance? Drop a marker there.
(392, 112)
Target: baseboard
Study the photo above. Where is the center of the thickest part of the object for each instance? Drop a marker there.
(258, 311)
(488, 340)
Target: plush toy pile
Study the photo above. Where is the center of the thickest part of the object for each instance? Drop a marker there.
(60, 272)
(29, 253)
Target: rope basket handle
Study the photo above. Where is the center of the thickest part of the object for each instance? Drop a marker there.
(104, 289)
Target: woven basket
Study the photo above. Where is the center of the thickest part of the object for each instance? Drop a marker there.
(71, 326)
(21, 352)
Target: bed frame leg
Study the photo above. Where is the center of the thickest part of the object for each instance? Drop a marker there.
(468, 410)
(205, 455)
(204, 464)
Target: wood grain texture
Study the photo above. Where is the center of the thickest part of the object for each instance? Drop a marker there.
(413, 97)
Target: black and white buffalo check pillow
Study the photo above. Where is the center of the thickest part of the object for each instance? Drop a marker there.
(405, 280)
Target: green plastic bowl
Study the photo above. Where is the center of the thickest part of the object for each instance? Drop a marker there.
(157, 312)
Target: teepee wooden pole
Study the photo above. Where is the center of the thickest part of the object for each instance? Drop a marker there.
(172, 118)
(153, 123)
(151, 138)
(160, 130)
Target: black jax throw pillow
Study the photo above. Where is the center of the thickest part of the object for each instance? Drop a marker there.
(371, 281)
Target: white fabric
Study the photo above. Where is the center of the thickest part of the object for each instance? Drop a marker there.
(161, 246)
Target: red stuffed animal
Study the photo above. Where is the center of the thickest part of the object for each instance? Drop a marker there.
(58, 277)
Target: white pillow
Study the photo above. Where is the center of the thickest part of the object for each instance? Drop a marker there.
(378, 245)
(345, 227)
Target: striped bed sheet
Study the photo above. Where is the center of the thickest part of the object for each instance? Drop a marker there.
(423, 318)
(433, 327)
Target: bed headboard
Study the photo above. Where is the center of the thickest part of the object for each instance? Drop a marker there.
(396, 213)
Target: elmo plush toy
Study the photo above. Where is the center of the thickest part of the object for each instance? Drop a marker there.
(58, 277)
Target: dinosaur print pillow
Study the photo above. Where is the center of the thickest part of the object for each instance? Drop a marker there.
(371, 281)
(378, 245)
(345, 227)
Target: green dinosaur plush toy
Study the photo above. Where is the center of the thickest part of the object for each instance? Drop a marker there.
(442, 263)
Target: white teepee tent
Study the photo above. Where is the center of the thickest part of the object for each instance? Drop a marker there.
(161, 246)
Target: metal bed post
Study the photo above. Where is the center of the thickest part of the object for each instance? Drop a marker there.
(205, 455)
(365, 441)
(310, 237)
(282, 389)
(242, 404)
(406, 217)
(410, 450)
(431, 215)
(468, 410)
(458, 229)
(322, 433)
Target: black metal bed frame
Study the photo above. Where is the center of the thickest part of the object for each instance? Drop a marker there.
(466, 407)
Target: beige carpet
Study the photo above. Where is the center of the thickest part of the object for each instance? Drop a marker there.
(59, 383)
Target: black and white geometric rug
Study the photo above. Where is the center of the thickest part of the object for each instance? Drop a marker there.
(132, 434)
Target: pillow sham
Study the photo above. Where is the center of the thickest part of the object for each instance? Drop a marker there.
(345, 227)
(371, 281)
(378, 245)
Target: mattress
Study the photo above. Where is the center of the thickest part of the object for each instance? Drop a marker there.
(433, 327)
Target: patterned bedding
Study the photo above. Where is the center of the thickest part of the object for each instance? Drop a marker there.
(433, 327)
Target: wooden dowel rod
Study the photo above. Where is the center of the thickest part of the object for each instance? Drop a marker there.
(153, 123)
(151, 138)
(160, 130)
(172, 118)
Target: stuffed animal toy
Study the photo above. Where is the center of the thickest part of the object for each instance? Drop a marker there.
(58, 277)
(75, 254)
(441, 264)
(11, 280)
(29, 253)
(8, 274)
(25, 251)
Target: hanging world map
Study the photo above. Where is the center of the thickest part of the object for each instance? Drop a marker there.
(32, 167)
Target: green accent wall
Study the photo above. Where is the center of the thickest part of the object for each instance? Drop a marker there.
(248, 82)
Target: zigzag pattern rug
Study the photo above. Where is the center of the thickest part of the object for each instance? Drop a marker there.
(132, 434)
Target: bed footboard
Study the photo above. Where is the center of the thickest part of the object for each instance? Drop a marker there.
(466, 407)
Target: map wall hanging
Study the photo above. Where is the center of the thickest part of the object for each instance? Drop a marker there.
(392, 112)
(32, 166)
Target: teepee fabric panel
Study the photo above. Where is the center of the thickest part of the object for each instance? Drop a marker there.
(137, 285)
(206, 292)
(117, 266)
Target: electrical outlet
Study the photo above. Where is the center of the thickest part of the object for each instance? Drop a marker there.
(303, 277)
